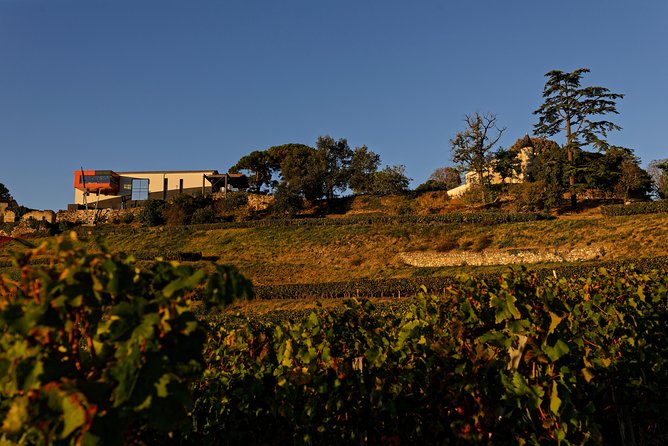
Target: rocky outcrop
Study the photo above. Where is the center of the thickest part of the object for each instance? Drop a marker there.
(427, 259)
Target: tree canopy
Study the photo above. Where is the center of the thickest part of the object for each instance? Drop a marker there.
(449, 177)
(4, 193)
(570, 108)
(263, 166)
(297, 171)
(337, 157)
(363, 165)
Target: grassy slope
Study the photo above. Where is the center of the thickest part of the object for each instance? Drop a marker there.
(323, 254)
(339, 253)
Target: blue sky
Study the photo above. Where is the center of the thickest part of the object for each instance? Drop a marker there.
(168, 85)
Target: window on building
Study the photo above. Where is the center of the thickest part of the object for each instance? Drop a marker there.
(140, 189)
(98, 179)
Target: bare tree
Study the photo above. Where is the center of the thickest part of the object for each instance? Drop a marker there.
(632, 178)
(471, 148)
(658, 171)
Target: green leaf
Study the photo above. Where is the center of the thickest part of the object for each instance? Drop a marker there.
(74, 415)
(312, 321)
(17, 415)
(504, 308)
(161, 385)
(519, 387)
(587, 374)
(326, 354)
(559, 349)
(29, 373)
(146, 329)
(125, 372)
(90, 440)
(555, 402)
(641, 292)
(518, 326)
(284, 354)
(496, 338)
(375, 356)
(554, 322)
(184, 283)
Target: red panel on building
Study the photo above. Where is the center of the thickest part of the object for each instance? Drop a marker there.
(106, 182)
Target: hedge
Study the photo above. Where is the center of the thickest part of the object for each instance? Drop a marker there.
(644, 207)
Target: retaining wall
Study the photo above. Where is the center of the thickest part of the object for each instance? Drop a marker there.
(427, 259)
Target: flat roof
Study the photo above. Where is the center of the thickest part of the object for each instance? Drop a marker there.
(209, 171)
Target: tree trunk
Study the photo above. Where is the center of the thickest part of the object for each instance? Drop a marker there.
(571, 174)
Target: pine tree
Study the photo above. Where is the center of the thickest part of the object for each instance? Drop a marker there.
(568, 107)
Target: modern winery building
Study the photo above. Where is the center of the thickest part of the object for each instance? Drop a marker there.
(118, 190)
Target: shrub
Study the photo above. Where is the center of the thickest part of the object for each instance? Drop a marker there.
(481, 242)
(404, 206)
(478, 194)
(530, 197)
(447, 244)
(128, 218)
(64, 226)
(287, 201)
(204, 215)
(152, 212)
(7, 227)
(35, 224)
(431, 186)
(180, 209)
(234, 201)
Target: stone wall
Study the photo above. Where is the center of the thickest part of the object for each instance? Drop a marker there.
(429, 259)
(256, 202)
(47, 216)
(98, 216)
(259, 202)
(8, 217)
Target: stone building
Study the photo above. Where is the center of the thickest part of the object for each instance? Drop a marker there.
(525, 156)
(6, 216)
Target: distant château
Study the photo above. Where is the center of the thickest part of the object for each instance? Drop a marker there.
(525, 155)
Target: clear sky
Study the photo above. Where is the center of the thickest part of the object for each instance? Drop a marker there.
(196, 84)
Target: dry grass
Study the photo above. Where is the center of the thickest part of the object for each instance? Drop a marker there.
(317, 254)
(343, 253)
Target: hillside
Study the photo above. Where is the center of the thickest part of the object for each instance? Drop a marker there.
(297, 254)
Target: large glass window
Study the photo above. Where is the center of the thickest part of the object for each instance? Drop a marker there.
(99, 179)
(140, 189)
